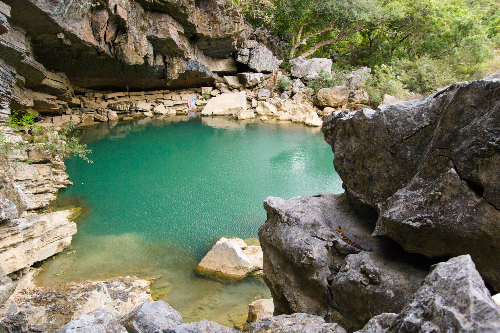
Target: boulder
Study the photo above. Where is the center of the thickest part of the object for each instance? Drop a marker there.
(296, 323)
(231, 258)
(203, 326)
(244, 114)
(391, 100)
(232, 82)
(493, 76)
(152, 317)
(312, 119)
(357, 79)
(143, 106)
(260, 309)
(320, 258)
(251, 79)
(97, 321)
(429, 167)
(332, 97)
(112, 115)
(28, 240)
(225, 104)
(263, 94)
(265, 108)
(371, 283)
(453, 298)
(308, 69)
(257, 56)
(379, 324)
(48, 308)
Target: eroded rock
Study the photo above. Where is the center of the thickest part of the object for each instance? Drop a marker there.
(231, 258)
(151, 317)
(97, 321)
(296, 323)
(452, 298)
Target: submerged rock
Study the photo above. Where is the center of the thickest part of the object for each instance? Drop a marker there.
(260, 309)
(231, 258)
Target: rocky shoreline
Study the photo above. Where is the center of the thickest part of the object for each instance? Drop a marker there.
(408, 246)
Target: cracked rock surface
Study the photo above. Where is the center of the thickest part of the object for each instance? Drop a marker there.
(430, 167)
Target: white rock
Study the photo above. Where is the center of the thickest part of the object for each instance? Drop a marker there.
(313, 120)
(226, 104)
(244, 114)
(143, 106)
(260, 309)
(265, 108)
(496, 298)
(310, 68)
(231, 258)
(160, 109)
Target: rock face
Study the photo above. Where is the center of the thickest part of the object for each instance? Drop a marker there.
(231, 258)
(308, 69)
(97, 321)
(429, 167)
(257, 56)
(296, 323)
(138, 44)
(25, 241)
(316, 261)
(453, 298)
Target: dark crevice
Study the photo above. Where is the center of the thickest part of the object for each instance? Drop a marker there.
(476, 188)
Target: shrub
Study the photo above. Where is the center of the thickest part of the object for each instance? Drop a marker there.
(50, 142)
(326, 80)
(285, 81)
(424, 75)
(382, 81)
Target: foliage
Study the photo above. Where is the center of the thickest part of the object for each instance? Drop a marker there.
(285, 82)
(384, 80)
(326, 80)
(51, 143)
(424, 75)
(17, 120)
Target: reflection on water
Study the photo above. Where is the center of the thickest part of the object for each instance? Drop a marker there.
(161, 192)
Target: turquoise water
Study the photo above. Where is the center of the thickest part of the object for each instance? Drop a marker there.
(161, 192)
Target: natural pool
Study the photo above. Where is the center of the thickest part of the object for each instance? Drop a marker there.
(160, 192)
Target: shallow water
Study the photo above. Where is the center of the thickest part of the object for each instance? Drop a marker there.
(159, 193)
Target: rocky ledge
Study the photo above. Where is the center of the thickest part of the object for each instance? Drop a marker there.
(421, 186)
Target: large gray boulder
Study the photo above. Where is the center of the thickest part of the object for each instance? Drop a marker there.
(453, 298)
(308, 69)
(320, 258)
(369, 282)
(203, 326)
(357, 79)
(97, 321)
(257, 56)
(296, 323)
(430, 167)
(151, 317)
